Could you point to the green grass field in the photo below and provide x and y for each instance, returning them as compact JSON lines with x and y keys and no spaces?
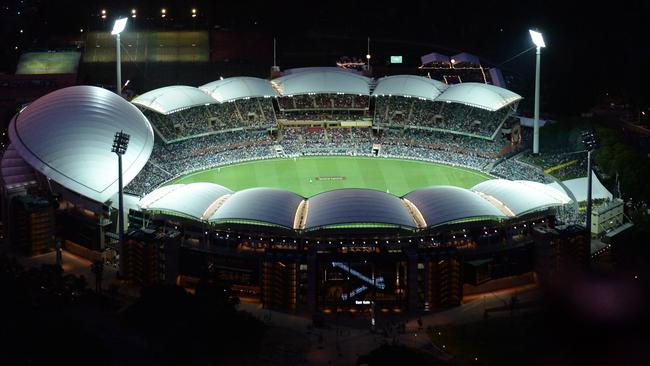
{"x":32,"y":63}
{"x":302,"y":175}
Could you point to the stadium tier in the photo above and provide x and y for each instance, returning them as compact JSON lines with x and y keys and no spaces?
{"x":326,"y":96}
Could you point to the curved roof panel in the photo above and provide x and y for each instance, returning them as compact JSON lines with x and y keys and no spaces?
{"x":188,"y":199}
{"x":578,"y":188}
{"x":442,"y":204}
{"x":353,"y":205}
{"x":67,"y":135}
{"x":479,"y":95}
{"x":268,"y":205}
{"x":173,"y":98}
{"x":409,"y":85}
{"x":522,"y":197}
{"x":238,"y":87}
{"x":322,"y":80}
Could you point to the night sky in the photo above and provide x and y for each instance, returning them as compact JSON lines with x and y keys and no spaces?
{"x":592,"y":49}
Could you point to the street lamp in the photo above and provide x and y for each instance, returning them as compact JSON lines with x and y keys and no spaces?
{"x":538,"y":40}
{"x":120,"y":144}
{"x":118,"y":27}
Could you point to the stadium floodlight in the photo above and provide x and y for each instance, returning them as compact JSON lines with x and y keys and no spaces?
{"x":119,"y":26}
{"x":589,"y":140}
{"x":538,"y":40}
{"x":120,"y":144}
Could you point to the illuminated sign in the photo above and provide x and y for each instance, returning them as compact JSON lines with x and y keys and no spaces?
{"x":377,"y":282}
{"x":362,"y":302}
{"x":395,"y":59}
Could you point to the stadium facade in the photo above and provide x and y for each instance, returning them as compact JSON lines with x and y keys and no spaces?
{"x":347,"y":248}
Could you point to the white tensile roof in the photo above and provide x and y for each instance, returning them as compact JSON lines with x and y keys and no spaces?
{"x":522,"y":197}
{"x":578,"y":187}
{"x":322,"y":80}
{"x":67,"y":135}
{"x":495,"y":199}
{"x":409,"y":85}
{"x":173,"y":98}
{"x":238,"y":88}
{"x":442,"y":204}
{"x":187,"y":199}
{"x":479,"y":95}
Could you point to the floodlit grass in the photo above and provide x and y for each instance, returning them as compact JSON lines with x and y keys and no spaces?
{"x":301,"y":175}
{"x":33,"y":63}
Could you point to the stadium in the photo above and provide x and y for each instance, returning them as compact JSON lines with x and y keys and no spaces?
{"x":319,"y":190}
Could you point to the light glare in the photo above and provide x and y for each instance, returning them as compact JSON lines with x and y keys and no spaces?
{"x":119,"y":26}
{"x":537,"y":38}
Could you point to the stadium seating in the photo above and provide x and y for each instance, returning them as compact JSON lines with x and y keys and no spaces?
{"x":170,"y":160}
{"x":253,"y":113}
{"x":453,"y":117}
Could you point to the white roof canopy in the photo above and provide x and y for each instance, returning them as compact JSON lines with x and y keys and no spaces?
{"x":322,"y":80}
{"x":522,"y":197}
{"x":479,"y":95}
{"x":578,"y":187}
{"x":173,"y":98}
{"x":67,"y":135}
{"x":188,"y":199}
{"x":409,"y":85}
{"x":238,"y":87}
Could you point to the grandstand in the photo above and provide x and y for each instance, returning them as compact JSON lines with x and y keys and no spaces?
{"x":326,"y":97}
{"x":321,"y":111}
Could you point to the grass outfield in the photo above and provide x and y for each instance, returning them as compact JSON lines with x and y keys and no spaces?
{"x":308,"y":176}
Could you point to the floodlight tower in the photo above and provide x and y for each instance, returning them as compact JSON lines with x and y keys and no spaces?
{"x":118,"y":27}
{"x":120,"y":144}
{"x":538,"y":40}
{"x":368,"y":55}
{"x":590,"y":142}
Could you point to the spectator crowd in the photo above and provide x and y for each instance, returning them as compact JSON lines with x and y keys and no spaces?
{"x":420,"y":113}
